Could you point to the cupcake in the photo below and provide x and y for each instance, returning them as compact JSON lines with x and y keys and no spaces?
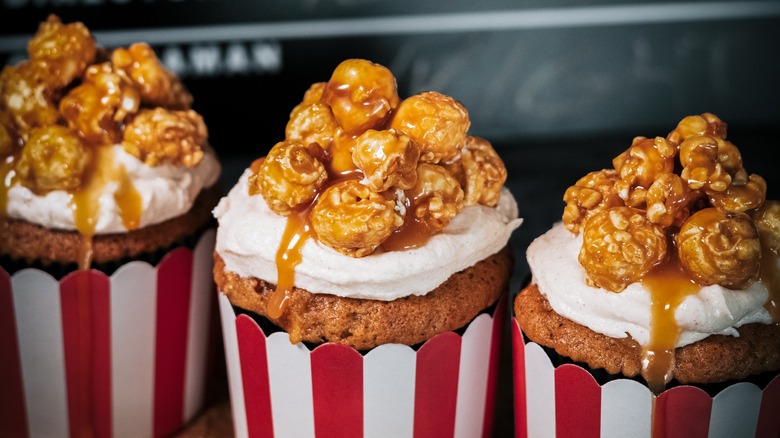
{"x":653,"y":304}
{"x":361,"y":265}
{"x":107,"y":183}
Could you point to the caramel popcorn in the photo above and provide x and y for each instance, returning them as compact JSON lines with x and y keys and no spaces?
{"x":690,"y":187}
{"x":161,"y":136}
{"x":353,"y":218}
{"x":387,"y":158}
{"x":157,"y":85}
{"x":62,"y":51}
{"x":436,"y":197}
{"x":437,"y":123}
{"x":640,"y":165}
{"x":480,"y":172}
{"x":26,"y":97}
{"x":361,"y":95}
{"x":619,"y":247}
{"x":7,"y":141}
{"x":98,"y":106}
{"x":53,"y":158}
{"x":592,"y":193}
{"x":716,"y":247}
{"x":312,"y":123}
{"x":352,"y":163}
{"x":290,"y":176}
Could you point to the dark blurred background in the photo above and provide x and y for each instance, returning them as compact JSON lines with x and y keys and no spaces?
{"x":559,"y":86}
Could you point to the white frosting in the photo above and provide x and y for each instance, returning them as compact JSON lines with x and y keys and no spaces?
{"x":560,"y":277}
{"x":249,"y":233}
{"x":166,"y":191}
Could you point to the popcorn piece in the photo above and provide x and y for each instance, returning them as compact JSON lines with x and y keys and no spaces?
{"x":741,"y":198}
{"x":312,"y":123}
{"x":160,"y":136}
{"x":767,"y":220}
{"x":26,"y":97}
{"x":716,"y":247}
{"x":98,"y":106}
{"x":691,"y":126}
{"x":63,"y":51}
{"x":619,"y":247}
{"x":437,"y":123}
{"x":480,"y":171}
{"x":54,"y":158}
{"x":290,"y":176}
{"x":592,"y":193}
{"x":639,"y":165}
{"x":387,"y":158}
{"x":667,"y":200}
{"x":436,"y":197}
{"x":701,"y":167}
{"x":361,"y":95}
{"x":158,"y":86}
{"x":353,"y":218}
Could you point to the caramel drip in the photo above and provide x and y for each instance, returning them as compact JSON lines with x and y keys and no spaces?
{"x":412,"y":234}
{"x":7,"y":179}
{"x":771,"y":278}
{"x":128,"y":200}
{"x":297,"y":231}
{"x":669,"y":285}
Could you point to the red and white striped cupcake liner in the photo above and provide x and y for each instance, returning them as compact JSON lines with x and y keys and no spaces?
{"x":568,"y":402}
{"x":97,"y":355}
{"x":444,"y":388}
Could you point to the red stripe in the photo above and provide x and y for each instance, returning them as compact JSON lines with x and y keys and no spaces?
{"x":436,"y":386}
{"x":684,"y":412}
{"x":174,"y":281}
{"x":769,"y":415}
{"x":254,"y":373}
{"x":518,"y":367}
{"x":13,"y":415}
{"x":337,"y":386}
{"x":577,"y":403}
{"x":86,"y":336}
{"x":495,"y":348}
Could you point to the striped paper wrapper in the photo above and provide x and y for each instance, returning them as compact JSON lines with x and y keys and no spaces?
{"x":123,"y":355}
{"x":445,"y":388}
{"x":566,"y":401}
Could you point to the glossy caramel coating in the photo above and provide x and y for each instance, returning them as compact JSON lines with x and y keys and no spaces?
{"x":436,"y":197}
{"x":62,"y":51}
{"x":722,"y":248}
{"x":740,"y":198}
{"x":289,"y":177}
{"x":312,"y":123}
{"x":160,"y":136}
{"x":437,"y":123}
{"x":705,"y":124}
{"x":639,"y":165}
{"x":158,"y":86}
{"x":619,"y":247}
{"x":592,"y":193}
{"x":353,"y":218}
{"x":361,"y":95}
{"x":480,"y":171}
{"x":54,"y":158}
{"x":387,"y":158}
{"x":668,"y":200}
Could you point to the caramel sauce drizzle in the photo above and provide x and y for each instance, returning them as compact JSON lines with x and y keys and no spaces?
{"x":669,"y":285}
{"x":296,"y":232}
{"x":771,"y":278}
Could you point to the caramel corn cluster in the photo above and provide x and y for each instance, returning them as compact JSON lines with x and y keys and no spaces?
{"x":72,"y":96}
{"x":369,"y":169}
{"x":686,"y":195}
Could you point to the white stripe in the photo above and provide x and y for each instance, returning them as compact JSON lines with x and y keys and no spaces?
{"x":235,"y":382}
{"x":474,"y":21}
{"x":735,"y":411}
{"x":473,"y":377}
{"x":289,"y":376}
{"x":539,"y":392}
{"x":133,"y":328}
{"x":38,"y":316}
{"x":626,"y":409}
{"x":198,"y":325}
{"x":388,"y":391}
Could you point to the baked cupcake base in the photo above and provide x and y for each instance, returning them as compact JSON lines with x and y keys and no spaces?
{"x":556,"y":395}
{"x":364,"y":324}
